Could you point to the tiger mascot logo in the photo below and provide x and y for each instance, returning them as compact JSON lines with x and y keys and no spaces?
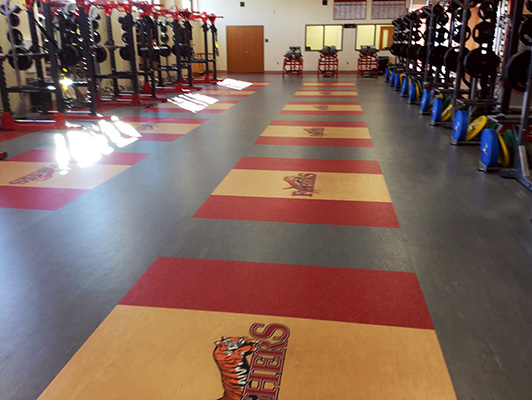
{"x":230,"y":356}
{"x":303,"y":184}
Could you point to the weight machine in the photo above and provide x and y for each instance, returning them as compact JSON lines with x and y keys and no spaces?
{"x":21,"y":59}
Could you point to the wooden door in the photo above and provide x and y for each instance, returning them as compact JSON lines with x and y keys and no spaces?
{"x":245,"y":48}
{"x":386,"y":37}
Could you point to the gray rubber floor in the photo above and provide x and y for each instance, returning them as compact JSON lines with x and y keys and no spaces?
{"x":467,"y":235}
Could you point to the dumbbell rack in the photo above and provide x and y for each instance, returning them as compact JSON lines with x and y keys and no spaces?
{"x":328,"y":65}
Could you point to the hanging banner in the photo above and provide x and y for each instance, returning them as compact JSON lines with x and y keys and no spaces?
{"x":387,"y":9}
{"x":349,"y":9}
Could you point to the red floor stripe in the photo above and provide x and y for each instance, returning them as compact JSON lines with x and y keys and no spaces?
{"x":308,"y":164}
{"x":334,"y":294}
{"x":327,"y":103}
{"x":33,"y":198}
{"x":351,"y":124}
{"x":114,"y":158}
{"x":289,"y":112}
{"x":333,"y":142}
{"x":163,"y":120}
{"x":330,"y":212}
{"x":182,"y":110}
{"x":159,"y":137}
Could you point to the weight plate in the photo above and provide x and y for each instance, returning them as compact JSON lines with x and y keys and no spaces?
{"x":443,"y":18}
{"x":425,"y":100}
{"x":422,"y":54}
{"x":476,"y":127}
{"x":163,"y":28}
{"x":437,"y":109}
{"x":96,"y":37}
{"x":525,"y":32}
{"x":14,"y":20}
{"x":487,"y":11}
{"x":24,"y":59}
{"x":101,"y":54}
{"x":95,"y":24}
{"x":447,"y":113}
{"x":436,"y":55}
{"x":125,"y":53}
{"x":124,"y":38}
{"x":517,"y":70}
{"x":405,"y":86}
{"x":17,"y":35}
{"x":69,"y":55}
{"x":511,"y":144}
{"x":437,"y":9}
{"x":504,"y":156}
{"x":164,"y":38}
{"x":458,"y":31}
{"x":489,"y":147}
{"x":481,"y":62}
{"x":460,"y":124}
{"x":165,"y":50}
{"x":484,"y":32}
{"x":460,"y":14}
{"x":441,"y":35}
{"x":412,"y":51}
{"x":397,"y":83}
{"x":412,"y":93}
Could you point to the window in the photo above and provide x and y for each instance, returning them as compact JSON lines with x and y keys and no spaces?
{"x":384,"y":36}
{"x":365,"y":36}
{"x":380,"y":36}
{"x":318,"y":36}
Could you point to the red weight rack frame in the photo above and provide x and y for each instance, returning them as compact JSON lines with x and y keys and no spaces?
{"x":328,"y":65}
{"x":293,"y":66}
{"x":368,"y":65}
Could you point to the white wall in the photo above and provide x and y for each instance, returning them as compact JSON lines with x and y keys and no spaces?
{"x":284,"y":25}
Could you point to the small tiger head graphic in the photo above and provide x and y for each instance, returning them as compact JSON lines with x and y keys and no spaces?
{"x":294,"y":182}
{"x":230,"y":356}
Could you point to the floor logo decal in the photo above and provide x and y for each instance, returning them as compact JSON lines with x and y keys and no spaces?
{"x":351,"y":192}
{"x":322,"y":108}
{"x":32,"y":180}
{"x":303,"y":183}
{"x":156,"y":129}
{"x":197,"y":329}
{"x":42,"y":174}
{"x":327,"y":93}
{"x":260,"y":377}
{"x":316,"y":133}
